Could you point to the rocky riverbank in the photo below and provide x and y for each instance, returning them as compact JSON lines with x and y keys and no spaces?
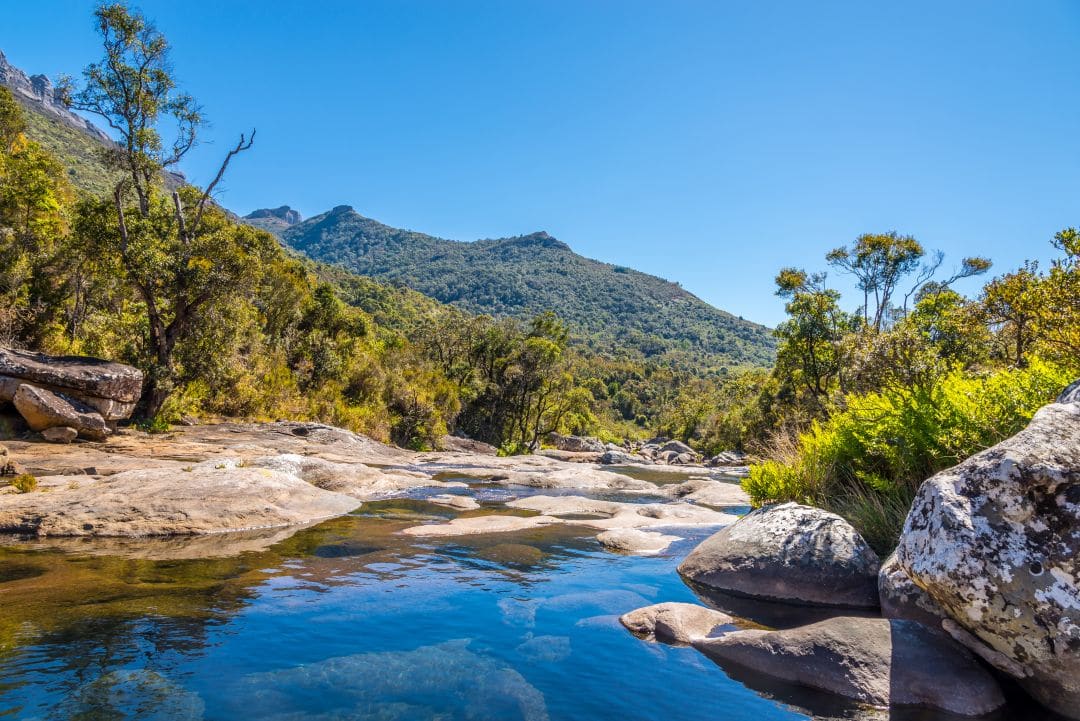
{"x":231,"y":477}
{"x":982,"y":591}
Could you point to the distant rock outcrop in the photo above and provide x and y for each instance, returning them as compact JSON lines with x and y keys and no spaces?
{"x":38,"y":90}
{"x":274,"y":220}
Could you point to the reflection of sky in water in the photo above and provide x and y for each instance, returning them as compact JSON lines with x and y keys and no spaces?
{"x":350,"y":620}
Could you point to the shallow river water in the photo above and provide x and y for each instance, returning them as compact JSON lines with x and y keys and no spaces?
{"x":350,"y":620}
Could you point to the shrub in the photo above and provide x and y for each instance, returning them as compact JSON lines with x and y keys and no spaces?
{"x":24,"y":483}
{"x":867,"y":461}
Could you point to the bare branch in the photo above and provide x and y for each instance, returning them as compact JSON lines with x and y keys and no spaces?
{"x":244,"y":144}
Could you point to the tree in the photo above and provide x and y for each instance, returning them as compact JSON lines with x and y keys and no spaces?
{"x":878,"y":261}
{"x":35,"y":200}
{"x":176,"y":258}
{"x":810,"y":352}
{"x":1013,"y":302}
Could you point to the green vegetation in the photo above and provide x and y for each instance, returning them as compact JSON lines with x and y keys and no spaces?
{"x":83,"y":159}
{"x":610,"y":310}
{"x":863,"y":406}
{"x":24,"y":483}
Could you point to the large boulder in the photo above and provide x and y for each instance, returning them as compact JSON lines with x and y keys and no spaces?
{"x":791,"y":553}
{"x":901,"y":598}
{"x":44,"y":409}
{"x":112,"y":389}
{"x":869,"y":660}
{"x":995,"y":542}
{"x":618,"y":458}
{"x":674,"y":622}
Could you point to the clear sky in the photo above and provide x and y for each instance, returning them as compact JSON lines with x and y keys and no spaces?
{"x":706,"y":142}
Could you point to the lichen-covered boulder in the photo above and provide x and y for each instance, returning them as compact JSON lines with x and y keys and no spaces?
{"x":788,"y":552}
{"x":111,"y":389}
{"x":673,"y":622}
{"x":901,"y":598}
{"x":995,"y":541}
{"x":870,"y":660}
{"x":44,"y":409}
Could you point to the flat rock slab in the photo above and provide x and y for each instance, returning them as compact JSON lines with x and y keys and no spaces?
{"x":869,"y":660}
{"x":632,"y":540}
{"x":790,"y":553}
{"x":708,"y":492}
{"x":679,"y":623}
{"x":157,"y":502}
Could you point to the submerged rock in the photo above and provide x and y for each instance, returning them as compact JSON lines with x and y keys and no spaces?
{"x":448,"y":680}
{"x":870,"y":660}
{"x":674,"y":622}
{"x":788,"y":552}
{"x":995,"y":542}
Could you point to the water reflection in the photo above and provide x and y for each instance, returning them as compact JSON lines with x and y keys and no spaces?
{"x":351,"y":619}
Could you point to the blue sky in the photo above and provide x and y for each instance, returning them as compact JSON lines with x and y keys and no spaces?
{"x":706,"y":142}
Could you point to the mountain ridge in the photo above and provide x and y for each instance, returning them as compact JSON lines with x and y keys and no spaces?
{"x":520,"y":276}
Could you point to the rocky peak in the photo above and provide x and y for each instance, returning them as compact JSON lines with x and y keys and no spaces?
{"x":38,"y":90}
{"x":283,"y":213}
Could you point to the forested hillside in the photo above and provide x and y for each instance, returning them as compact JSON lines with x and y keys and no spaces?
{"x":612,"y":309}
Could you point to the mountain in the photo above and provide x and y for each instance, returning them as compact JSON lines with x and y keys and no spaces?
{"x":274,"y":220}
{"x":73,"y":138}
{"x":611,"y":307}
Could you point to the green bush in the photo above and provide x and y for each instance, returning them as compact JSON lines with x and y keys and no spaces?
{"x":866,"y":462}
{"x":24,"y":483}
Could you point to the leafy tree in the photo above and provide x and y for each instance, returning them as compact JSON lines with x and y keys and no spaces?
{"x":1013,"y":302}
{"x":175,"y":253}
{"x":878,"y":261}
{"x":811,"y":351}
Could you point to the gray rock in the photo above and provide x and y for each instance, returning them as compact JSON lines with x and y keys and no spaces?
{"x":44,"y":409}
{"x":576,"y":444}
{"x":728,"y":458}
{"x":60,"y":434}
{"x":788,"y":552}
{"x":674,"y":622}
{"x":683,"y":459}
{"x":995,"y":542}
{"x":677,"y":447}
{"x":1070,"y":394}
{"x":870,"y":660}
{"x":617,"y":458}
{"x":901,"y":598}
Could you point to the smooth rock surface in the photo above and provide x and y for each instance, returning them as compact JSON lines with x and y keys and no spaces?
{"x":792,"y":553}
{"x":708,"y":492}
{"x":166,"y":501}
{"x":632,"y":540}
{"x":995,"y":542}
{"x":674,"y":622}
{"x":870,"y":660}
{"x":44,"y":409}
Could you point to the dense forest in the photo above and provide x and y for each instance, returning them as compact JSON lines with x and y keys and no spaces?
{"x":104,"y":251}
